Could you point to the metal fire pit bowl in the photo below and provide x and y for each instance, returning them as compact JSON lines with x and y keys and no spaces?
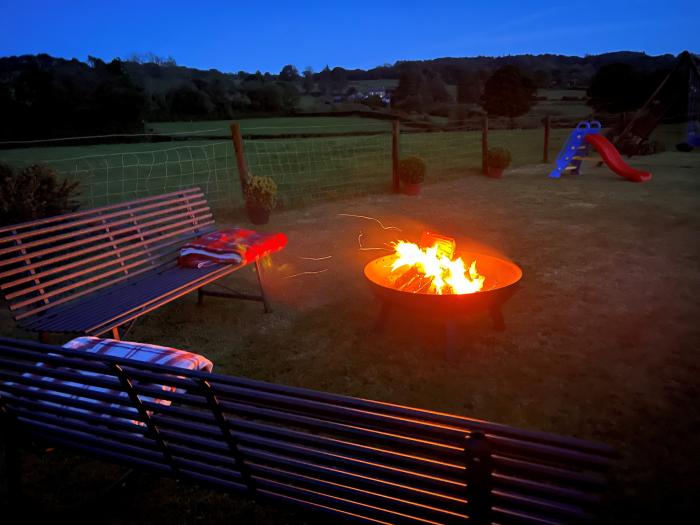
{"x":501,"y":276}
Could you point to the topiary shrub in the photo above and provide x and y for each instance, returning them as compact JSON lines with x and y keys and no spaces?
{"x":261,"y":191}
{"x":412,"y":170}
{"x":499,"y":157}
{"x":33,"y":193}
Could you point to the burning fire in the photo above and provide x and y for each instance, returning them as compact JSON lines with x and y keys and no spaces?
{"x":434,"y":269}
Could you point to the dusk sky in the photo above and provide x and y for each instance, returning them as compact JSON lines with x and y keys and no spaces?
{"x":233,"y":35}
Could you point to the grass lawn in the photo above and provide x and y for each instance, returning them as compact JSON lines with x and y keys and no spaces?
{"x":306,"y":170}
{"x":602,"y":340}
{"x":276,"y":125}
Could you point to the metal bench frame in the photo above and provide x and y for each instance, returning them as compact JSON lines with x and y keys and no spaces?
{"x":94,"y":271}
{"x":357,"y":459}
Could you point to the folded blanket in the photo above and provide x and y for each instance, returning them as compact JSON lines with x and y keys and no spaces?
{"x":232,"y":246}
{"x":154,"y":354}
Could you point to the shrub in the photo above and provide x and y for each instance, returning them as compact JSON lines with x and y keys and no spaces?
{"x":499,"y":157}
{"x":261,"y":191}
{"x":508,"y":93}
{"x":33,"y":193}
{"x":412,"y":170}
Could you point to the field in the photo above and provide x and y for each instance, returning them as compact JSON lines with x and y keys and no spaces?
{"x":602,"y":340}
{"x":305,"y":169}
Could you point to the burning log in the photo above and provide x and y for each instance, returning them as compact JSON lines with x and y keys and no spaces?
{"x":413,"y":280}
{"x":406,"y":277}
{"x":433,"y":267}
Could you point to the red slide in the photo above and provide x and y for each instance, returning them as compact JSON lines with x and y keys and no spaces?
{"x":612,"y":158}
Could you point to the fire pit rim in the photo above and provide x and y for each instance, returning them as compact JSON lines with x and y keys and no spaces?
{"x":466,"y":256}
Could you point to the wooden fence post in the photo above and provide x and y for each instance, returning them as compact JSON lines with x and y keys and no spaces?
{"x":545,"y":153}
{"x":485,"y":146}
{"x":240,"y":155}
{"x":395,"y":155}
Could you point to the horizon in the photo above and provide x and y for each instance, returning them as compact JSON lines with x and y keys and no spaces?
{"x":305,"y":37}
{"x":393,"y":64}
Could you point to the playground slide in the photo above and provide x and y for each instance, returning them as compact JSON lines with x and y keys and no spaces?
{"x":612,"y":158}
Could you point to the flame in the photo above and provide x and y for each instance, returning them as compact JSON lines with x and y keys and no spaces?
{"x":444,"y":275}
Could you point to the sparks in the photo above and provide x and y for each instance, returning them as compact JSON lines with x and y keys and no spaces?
{"x":317,"y":258}
{"x":305,"y":273}
{"x":371,"y":219}
{"x":359,"y":241}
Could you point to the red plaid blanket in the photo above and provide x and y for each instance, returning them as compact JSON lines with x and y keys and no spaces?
{"x":162,"y":355}
{"x":232,"y":246}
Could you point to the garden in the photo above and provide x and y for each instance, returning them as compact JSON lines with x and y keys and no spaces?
{"x":600,"y":341}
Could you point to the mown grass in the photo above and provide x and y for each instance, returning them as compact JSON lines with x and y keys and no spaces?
{"x":306,"y":169}
{"x":276,"y":125}
{"x":602,"y":339}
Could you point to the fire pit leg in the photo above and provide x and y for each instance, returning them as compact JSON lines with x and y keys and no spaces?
{"x":451,"y":340}
{"x":497,"y":318}
{"x":380,"y":323}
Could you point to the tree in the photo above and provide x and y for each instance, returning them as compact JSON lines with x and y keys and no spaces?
{"x":417,"y":90}
{"x":434,"y":89}
{"x":324,"y":80}
{"x":188,"y":103}
{"x":508,"y":93}
{"x":616,"y":88}
{"x":289,"y":97}
{"x":289,"y":73}
{"x":339,"y":80}
{"x":469,"y":88}
{"x":308,"y":81}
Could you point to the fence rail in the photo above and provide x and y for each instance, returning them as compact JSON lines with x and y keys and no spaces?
{"x":307,"y":167}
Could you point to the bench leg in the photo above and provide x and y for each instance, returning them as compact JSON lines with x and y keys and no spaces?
{"x":263,"y":296}
{"x":115,"y":333}
{"x":44,"y":338}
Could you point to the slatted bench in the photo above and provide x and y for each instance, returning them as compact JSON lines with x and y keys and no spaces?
{"x":356,"y":459}
{"x":94,"y":271}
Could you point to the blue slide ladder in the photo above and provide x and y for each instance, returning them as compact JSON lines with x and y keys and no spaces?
{"x":575,"y":149}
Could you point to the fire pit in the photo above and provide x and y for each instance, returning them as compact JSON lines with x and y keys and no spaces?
{"x":488,"y":283}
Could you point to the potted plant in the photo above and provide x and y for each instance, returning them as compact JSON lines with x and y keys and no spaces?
{"x":498,"y":160}
{"x":260,"y":198}
{"x":412,"y":174}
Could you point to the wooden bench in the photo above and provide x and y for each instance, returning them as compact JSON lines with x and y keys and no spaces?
{"x":358,"y":459}
{"x":93,"y":271}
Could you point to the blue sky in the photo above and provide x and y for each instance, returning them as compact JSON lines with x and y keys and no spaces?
{"x":235,"y":35}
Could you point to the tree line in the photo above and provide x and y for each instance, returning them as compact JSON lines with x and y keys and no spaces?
{"x":43,"y":97}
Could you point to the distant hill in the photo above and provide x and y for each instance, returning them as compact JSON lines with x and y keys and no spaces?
{"x":43,"y":96}
{"x":565,"y":71}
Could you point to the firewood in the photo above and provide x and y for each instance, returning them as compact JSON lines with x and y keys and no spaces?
{"x":405,"y":277}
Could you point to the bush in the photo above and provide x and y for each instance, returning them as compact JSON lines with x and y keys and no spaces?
{"x":34,"y":193}
{"x":499,"y":157}
{"x":508,"y":93}
{"x":412,"y":170}
{"x":261,"y":191}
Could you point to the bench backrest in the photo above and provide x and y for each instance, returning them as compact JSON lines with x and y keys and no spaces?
{"x":50,"y":261}
{"x":362,"y":459}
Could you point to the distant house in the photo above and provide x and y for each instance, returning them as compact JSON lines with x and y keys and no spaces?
{"x":382,"y":93}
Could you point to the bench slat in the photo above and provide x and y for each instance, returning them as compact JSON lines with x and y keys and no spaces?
{"x":129,"y":223}
{"x":35,"y":225}
{"x":156,"y":250}
{"x":401,"y":508}
{"x":390,"y":464}
{"x":180,"y":228}
{"x":97,"y":314}
{"x":87,"y":274}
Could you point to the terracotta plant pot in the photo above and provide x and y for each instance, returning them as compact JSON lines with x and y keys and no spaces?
{"x":257,"y":214}
{"x":410,"y":188}
{"x":496,"y":173}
